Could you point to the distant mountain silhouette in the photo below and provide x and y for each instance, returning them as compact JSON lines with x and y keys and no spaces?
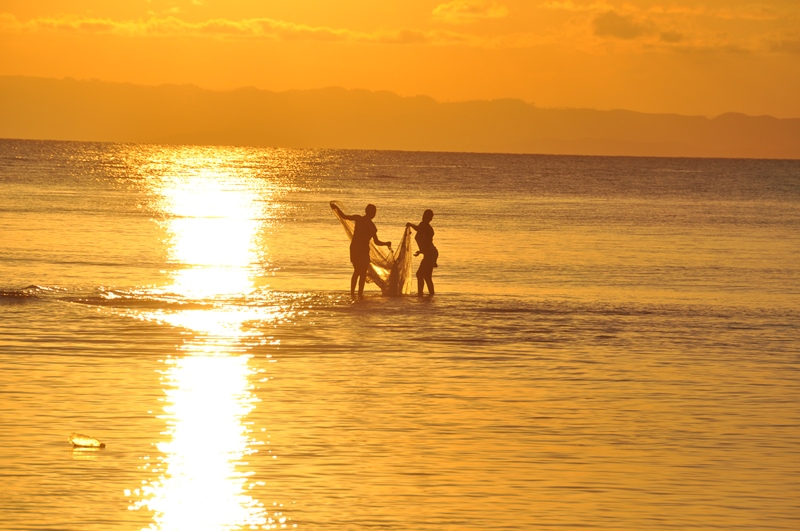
{"x":67,"y":109}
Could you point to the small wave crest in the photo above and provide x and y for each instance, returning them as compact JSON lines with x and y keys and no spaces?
{"x":138,"y":300}
{"x":154,"y":299}
{"x":11,"y":296}
{"x":29,"y":293}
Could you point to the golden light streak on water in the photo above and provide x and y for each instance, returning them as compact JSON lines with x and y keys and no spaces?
{"x":214,"y":221}
{"x":201,"y":484}
{"x":213,"y":215}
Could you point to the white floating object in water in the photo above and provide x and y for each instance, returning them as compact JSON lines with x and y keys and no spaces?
{"x":85,"y":441}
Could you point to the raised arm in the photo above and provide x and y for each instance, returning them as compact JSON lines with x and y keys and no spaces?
{"x":415,"y":227}
{"x":342,"y":214}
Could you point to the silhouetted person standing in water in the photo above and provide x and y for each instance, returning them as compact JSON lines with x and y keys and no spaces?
{"x":364,"y":231}
{"x":429,"y":252}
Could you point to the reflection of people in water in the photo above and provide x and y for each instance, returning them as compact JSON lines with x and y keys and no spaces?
{"x":365,"y":231}
{"x":429,"y":252}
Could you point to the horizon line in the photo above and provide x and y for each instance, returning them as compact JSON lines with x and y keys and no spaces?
{"x":431,"y":151}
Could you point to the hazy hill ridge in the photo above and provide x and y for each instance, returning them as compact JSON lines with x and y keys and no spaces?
{"x":67,"y":109}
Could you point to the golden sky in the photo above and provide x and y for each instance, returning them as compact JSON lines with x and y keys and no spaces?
{"x":675,"y":56}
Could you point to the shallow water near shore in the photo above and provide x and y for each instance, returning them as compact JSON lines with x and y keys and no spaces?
{"x":613,"y":344}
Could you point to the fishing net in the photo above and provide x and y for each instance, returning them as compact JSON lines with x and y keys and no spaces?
{"x":389,"y":270}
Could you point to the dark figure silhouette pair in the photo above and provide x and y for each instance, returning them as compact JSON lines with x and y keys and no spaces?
{"x":365,"y":230}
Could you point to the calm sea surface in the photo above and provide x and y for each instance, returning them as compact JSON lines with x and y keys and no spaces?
{"x":614,"y":342}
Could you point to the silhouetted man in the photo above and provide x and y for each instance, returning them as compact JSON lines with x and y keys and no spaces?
{"x":365,"y":230}
{"x":429,"y":252}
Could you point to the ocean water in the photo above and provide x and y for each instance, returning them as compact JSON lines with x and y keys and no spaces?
{"x":614,"y":342}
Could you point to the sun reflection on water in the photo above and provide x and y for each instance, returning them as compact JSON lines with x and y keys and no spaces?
{"x":213,"y":212}
{"x":201,"y":485}
{"x":214,"y":221}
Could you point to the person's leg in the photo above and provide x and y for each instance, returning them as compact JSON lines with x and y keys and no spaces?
{"x":361,"y":281}
{"x":434,"y":256}
{"x":353,"y":280}
{"x":420,"y":281}
{"x":429,"y":281}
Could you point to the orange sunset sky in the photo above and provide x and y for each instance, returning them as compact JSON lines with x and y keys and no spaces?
{"x":674,"y":56}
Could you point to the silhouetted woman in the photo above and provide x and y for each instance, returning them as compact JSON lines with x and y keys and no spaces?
{"x":429,"y":252}
{"x":365,"y":230}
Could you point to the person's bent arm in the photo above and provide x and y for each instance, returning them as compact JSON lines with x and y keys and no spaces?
{"x":415,"y":227}
{"x":378,"y":242}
